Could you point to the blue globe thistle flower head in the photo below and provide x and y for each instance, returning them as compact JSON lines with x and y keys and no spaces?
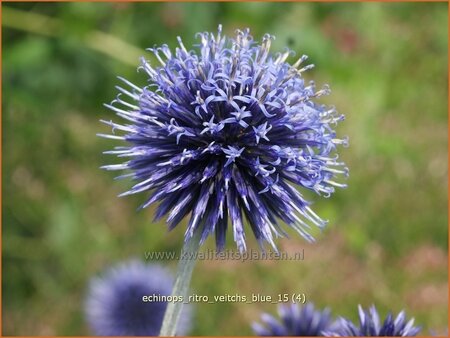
{"x":228,"y":131}
{"x":295,"y":320}
{"x":369,"y":325}
{"x":114,"y":304}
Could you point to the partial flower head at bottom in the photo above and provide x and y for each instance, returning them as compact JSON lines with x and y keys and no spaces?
{"x":295,"y":320}
{"x":114,"y":305}
{"x":370,"y":325}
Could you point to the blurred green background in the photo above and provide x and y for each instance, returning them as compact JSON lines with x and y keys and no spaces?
{"x":62,"y":222}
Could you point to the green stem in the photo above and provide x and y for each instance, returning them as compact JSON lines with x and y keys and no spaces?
{"x":181,"y":287}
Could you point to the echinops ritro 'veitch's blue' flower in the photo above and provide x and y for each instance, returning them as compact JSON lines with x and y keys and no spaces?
{"x":228,"y":131}
{"x":114,"y":305}
{"x":295,"y":320}
{"x":369,"y":325}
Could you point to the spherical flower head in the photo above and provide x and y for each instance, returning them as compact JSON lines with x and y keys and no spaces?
{"x":228,"y":131}
{"x":303,"y":321}
{"x":114,"y":305}
{"x":369,"y":325}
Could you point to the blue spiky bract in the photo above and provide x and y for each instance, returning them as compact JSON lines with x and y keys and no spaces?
{"x":226,"y":133}
{"x":295,"y":320}
{"x":114,"y":304}
{"x":370,"y":325}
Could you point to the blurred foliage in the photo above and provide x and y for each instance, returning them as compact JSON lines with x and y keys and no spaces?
{"x":62,"y":222}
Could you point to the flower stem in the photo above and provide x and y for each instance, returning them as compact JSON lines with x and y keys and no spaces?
{"x":181,"y":287}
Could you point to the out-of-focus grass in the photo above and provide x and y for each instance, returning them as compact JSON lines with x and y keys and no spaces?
{"x":62,"y":222}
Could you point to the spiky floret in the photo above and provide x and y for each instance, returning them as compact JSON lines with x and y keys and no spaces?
{"x":295,"y":320}
{"x":369,"y":325}
{"x":228,"y":131}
